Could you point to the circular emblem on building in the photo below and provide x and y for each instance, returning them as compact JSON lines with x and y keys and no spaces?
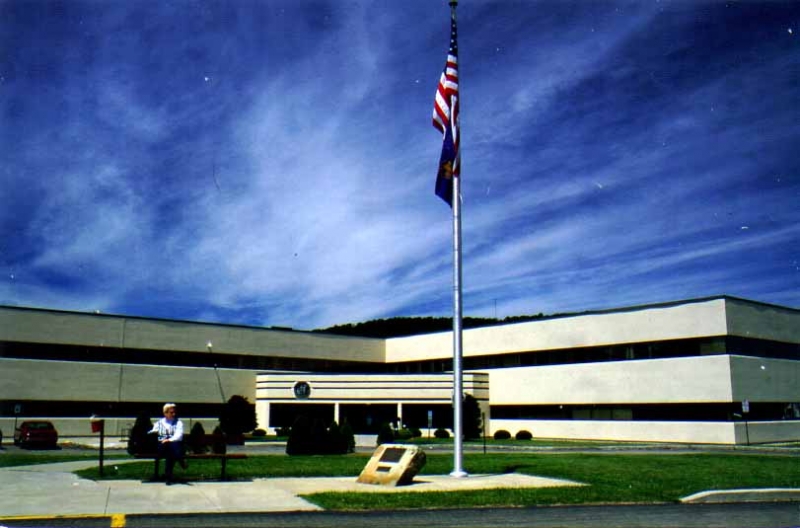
{"x":302,"y":390}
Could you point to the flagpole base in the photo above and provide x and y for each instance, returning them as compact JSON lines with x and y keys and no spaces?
{"x":459,"y":474}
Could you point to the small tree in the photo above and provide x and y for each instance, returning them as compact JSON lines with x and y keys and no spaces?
{"x":441,"y":433}
{"x":299,"y":441}
{"x":523,"y":435}
{"x":238,"y":416}
{"x":139,"y":440}
{"x":502,"y":434}
{"x":471,"y":415}
{"x":337,"y":443}
{"x":385,"y":434}
{"x":348,"y":436}
{"x":219,"y":446}
{"x":195,"y":442}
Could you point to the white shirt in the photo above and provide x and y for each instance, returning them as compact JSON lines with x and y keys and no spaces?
{"x":166,"y":429}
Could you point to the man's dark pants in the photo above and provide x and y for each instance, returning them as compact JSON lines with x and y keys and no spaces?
{"x":171,"y":452}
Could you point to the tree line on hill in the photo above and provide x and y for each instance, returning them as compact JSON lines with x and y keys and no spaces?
{"x":406,"y":326}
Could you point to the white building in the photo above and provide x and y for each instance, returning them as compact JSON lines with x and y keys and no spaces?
{"x":715,"y":370}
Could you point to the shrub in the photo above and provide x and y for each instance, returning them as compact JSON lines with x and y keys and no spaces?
{"x":385,"y":434}
{"x":471,"y":417}
{"x":194,"y":442}
{"x":259,"y":432}
{"x":441,"y":433}
{"x":502,"y":434}
{"x":301,"y":441}
{"x":238,"y":416}
{"x":337,"y":443}
{"x":404,"y":434}
{"x":311,"y":437}
{"x":283,"y":431}
{"x":219,"y":446}
{"x":349,"y":437}
{"x":139,"y":440}
{"x":523,"y":435}
{"x":415,"y":432}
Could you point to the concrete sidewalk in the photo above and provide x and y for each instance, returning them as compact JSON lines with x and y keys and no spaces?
{"x":53,"y":490}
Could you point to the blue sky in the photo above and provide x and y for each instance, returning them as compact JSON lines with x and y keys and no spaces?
{"x":273,"y":162}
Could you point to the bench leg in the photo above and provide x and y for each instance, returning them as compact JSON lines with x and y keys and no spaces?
{"x":156,"y":461}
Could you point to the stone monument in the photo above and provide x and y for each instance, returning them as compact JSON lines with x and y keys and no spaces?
{"x":393,"y":465}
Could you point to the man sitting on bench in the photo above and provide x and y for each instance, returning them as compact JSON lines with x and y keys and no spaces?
{"x":170,"y":440}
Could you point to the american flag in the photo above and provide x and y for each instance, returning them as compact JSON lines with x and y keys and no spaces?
{"x":445,"y":119}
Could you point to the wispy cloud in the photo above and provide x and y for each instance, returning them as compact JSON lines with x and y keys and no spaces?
{"x":274,"y":164}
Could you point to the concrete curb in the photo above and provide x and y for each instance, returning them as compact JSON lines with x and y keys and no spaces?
{"x":744,"y":495}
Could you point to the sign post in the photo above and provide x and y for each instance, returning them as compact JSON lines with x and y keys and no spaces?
{"x":17,"y":412}
{"x":99,"y":426}
{"x":745,"y":412}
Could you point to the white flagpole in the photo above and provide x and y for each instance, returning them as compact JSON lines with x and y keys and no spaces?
{"x":458,"y":391}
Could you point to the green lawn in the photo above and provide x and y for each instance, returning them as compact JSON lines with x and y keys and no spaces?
{"x":611,"y":478}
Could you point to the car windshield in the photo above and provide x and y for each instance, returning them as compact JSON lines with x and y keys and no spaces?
{"x":40,"y":425}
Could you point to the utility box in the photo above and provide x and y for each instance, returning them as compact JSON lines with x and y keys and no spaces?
{"x":393,"y":465}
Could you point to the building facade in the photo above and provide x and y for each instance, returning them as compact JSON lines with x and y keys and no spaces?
{"x":717,"y":370}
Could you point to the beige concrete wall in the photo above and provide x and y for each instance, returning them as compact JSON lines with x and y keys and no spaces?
{"x":22,"y":379}
{"x":54,"y":381}
{"x":347,"y":388}
{"x":134,"y":333}
{"x":768,"y":380}
{"x":697,"y":319}
{"x":728,"y":433}
{"x":673,"y":380}
{"x":762,"y":321}
{"x":683,"y":432}
{"x":767,"y":432}
{"x":31,"y":326}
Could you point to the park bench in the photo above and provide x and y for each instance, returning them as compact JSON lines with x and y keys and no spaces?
{"x":206,"y":446}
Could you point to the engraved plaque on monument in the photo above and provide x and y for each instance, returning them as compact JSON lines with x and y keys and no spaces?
{"x":393,"y":465}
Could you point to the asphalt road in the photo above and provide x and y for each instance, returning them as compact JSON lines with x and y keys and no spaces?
{"x":759,"y":515}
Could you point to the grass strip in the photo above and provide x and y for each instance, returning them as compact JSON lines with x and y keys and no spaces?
{"x":611,"y":478}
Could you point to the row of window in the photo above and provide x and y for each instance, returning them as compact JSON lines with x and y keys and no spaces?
{"x":368,"y":418}
{"x":677,"y":412}
{"x":85,"y":409}
{"x":623,"y":352}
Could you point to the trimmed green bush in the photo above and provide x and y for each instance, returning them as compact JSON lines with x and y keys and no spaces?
{"x":238,"y":416}
{"x":471,"y":415}
{"x":194,"y":442}
{"x":502,"y":434}
{"x":385,"y":434}
{"x":259,"y":432}
{"x":139,"y":440}
{"x":309,"y":437}
{"x":219,"y":447}
{"x":441,"y":433}
{"x":349,"y":437}
{"x":523,"y":435}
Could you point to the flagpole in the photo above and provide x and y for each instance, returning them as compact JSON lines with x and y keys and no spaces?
{"x":458,"y":390}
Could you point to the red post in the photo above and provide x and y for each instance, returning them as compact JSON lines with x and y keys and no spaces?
{"x":99,"y":426}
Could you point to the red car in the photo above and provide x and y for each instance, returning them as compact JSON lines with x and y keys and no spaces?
{"x":38,"y":433}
